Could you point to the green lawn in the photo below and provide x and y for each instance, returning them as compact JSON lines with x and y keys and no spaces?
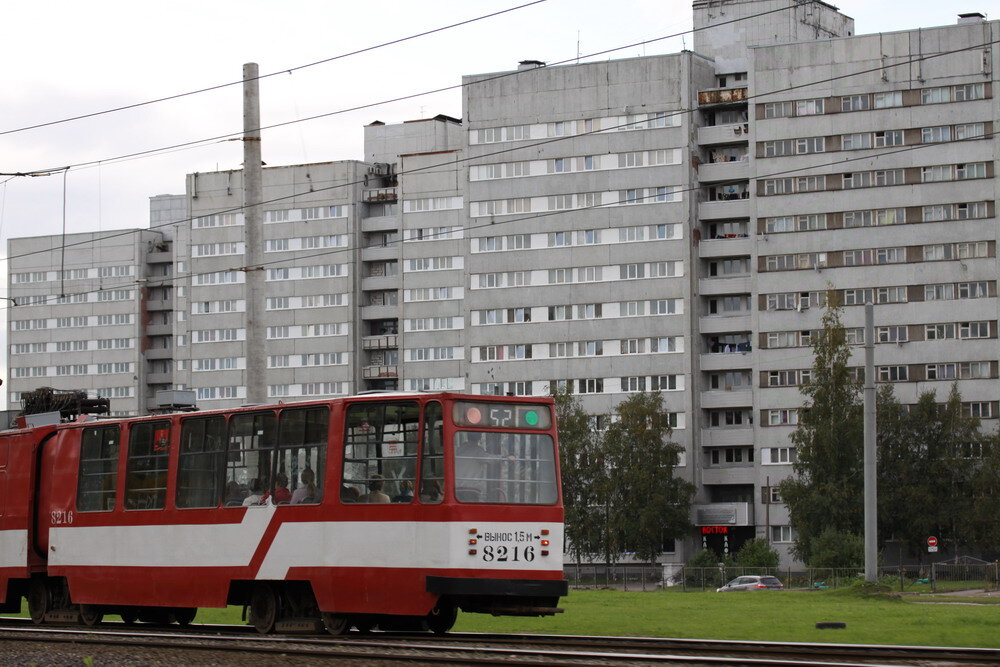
{"x":760,"y":615}
{"x":763,"y":616}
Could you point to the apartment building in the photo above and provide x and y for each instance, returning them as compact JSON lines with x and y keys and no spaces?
{"x":81,"y":317}
{"x":669,"y":223}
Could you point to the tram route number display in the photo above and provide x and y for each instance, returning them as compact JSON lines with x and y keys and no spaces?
{"x":509,"y":546}
{"x":502,"y":415}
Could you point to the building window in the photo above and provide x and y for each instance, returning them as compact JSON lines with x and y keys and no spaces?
{"x":782,"y":534}
{"x":885,"y":100}
{"x":779,"y":455}
{"x":854,"y":103}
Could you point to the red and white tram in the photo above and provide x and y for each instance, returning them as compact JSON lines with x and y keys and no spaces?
{"x":393,"y":510}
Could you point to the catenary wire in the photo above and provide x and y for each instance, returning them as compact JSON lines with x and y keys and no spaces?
{"x":234,"y":136}
{"x":265,"y":76}
{"x":167,"y":281}
{"x":543,"y":142}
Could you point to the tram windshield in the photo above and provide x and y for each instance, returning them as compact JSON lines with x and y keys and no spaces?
{"x":514,"y":468}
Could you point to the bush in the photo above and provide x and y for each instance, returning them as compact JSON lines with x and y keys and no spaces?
{"x":757,"y":553}
{"x":835,"y":549}
{"x":707,"y":558}
{"x":704,"y":567}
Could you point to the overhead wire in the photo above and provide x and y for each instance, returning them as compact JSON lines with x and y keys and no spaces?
{"x":170,"y":280}
{"x":489,"y":78}
{"x":543,"y":142}
{"x":288,"y":70}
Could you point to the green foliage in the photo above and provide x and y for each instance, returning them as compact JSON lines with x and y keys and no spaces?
{"x":619,"y":488}
{"x":757,"y":553}
{"x":829,"y":487}
{"x":937,"y":473}
{"x":982,"y":522}
{"x":645,"y":502}
{"x":704,"y":568}
{"x":583,"y":473}
{"x":708,"y":558}
{"x":927,"y":471}
{"x":833,"y":548}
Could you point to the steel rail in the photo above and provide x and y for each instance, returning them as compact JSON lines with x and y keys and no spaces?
{"x":586,"y":650}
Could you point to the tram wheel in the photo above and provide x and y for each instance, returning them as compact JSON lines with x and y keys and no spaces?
{"x":441,"y":619}
{"x":91,"y":615}
{"x":183,"y":615}
{"x":39,"y":600}
{"x":336,"y":624}
{"x":264,"y":608}
{"x":129,"y":617}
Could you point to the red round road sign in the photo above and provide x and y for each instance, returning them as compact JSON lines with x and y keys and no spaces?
{"x":932,"y":541}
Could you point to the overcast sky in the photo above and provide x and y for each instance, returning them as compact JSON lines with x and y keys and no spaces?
{"x":65,"y":58}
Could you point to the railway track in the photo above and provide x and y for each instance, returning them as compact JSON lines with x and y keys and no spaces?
{"x":233,"y":645}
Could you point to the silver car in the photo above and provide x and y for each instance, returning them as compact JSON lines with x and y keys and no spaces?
{"x":752,"y":583}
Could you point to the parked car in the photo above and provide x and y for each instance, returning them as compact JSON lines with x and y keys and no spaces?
{"x":752,"y":583}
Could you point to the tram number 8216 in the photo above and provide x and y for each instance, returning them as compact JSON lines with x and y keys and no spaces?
{"x":502,"y":553}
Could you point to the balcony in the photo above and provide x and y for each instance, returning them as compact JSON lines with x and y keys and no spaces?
{"x":738,"y":397}
{"x":380,"y":223}
{"x":380,"y":253}
{"x":378,"y":195}
{"x":724,"y":209}
{"x":389,"y":342}
{"x":379,"y":312}
{"x":158,"y":378}
{"x":373,"y":372}
{"x":722,"y":514}
{"x":734,"y":473}
{"x":721,"y":96}
{"x":719,"y":324}
{"x":159,"y":257}
{"x":725,"y":362}
{"x":377,"y":283}
{"x":729,"y":246}
{"x":159,"y":304}
{"x":728,"y":437}
{"x":711,"y":135}
{"x":714,"y":286}
{"x":713,"y":172}
{"x":159,"y":353}
{"x":159,"y":329}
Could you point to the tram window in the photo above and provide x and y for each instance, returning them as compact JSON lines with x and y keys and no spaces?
{"x":98,"y":480}
{"x":302,"y":436}
{"x":200,"y":464}
{"x":248,"y":456}
{"x":380,"y":452}
{"x":146,"y":466}
{"x":513,"y":468}
{"x":432,"y":456}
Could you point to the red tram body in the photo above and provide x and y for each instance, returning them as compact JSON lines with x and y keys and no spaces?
{"x":393,"y":510}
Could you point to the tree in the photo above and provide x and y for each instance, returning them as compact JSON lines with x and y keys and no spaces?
{"x":929,"y":457}
{"x":983,"y":521}
{"x":757,"y":553}
{"x":582,"y":469}
{"x":829,"y":440}
{"x":644,"y":502}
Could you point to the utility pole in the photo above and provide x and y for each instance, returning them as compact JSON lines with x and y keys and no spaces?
{"x":253,"y":236}
{"x":871,"y":508}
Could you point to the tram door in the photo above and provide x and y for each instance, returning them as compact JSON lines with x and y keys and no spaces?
{"x":57,"y":456}
{"x":46,"y":458}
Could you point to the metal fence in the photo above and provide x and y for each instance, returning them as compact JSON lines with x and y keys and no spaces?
{"x":934,"y":577}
